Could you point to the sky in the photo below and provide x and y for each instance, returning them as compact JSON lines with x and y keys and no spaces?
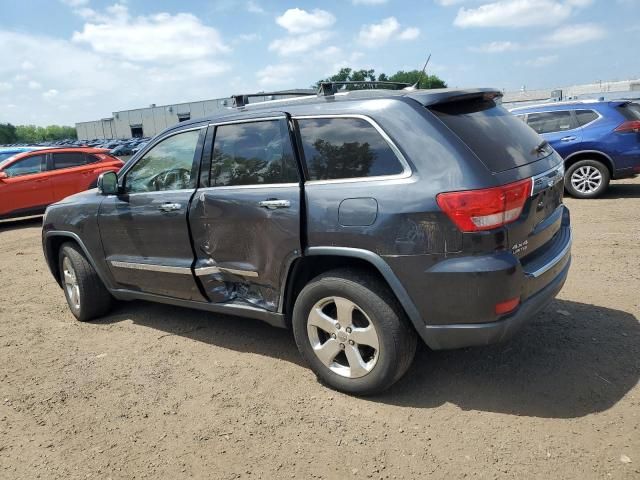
{"x":65,"y":61}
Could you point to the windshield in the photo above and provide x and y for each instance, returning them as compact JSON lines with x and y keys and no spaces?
{"x":631,"y":111}
{"x":5,"y":155}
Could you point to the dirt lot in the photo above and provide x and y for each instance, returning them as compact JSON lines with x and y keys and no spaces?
{"x":160,"y":392}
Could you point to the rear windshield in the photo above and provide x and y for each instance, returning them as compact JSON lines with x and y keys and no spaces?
{"x":499,"y":139}
{"x":631,"y":111}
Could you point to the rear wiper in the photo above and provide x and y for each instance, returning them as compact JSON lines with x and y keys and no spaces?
{"x":542,"y":147}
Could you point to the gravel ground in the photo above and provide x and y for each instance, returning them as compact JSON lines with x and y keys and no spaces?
{"x":159,"y":392}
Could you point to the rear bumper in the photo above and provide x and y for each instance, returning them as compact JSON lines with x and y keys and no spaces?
{"x":457,"y":297}
{"x":445,"y":337}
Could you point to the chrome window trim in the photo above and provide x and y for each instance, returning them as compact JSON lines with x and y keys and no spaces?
{"x":406,"y":173}
{"x":213,"y":270}
{"x":248,"y":120}
{"x":155,"y":192}
{"x":151,"y":267}
{"x":259,"y":185}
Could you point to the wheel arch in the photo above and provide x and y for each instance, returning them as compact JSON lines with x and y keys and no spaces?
{"x":53,"y":242}
{"x":318,"y":260}
{"x":590,"y":155}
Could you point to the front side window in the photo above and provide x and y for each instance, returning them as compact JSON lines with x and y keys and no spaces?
{"x":68,"y":160}
{"x":343,"y":148}
{"x":167,"y":166}
{"x":255,"y":153}
{"x":548,"y":122}
{"x":26,"y":166}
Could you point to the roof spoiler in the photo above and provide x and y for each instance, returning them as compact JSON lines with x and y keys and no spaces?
{"x":430,"y":98}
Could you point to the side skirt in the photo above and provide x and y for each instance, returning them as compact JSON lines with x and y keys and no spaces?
{"x":272,"y":318}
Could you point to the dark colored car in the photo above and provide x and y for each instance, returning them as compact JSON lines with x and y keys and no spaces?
{"x":598,"y":140}
{"x":362,"y":220}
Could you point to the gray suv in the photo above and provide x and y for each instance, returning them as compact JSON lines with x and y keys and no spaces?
{"x":362,"y":220}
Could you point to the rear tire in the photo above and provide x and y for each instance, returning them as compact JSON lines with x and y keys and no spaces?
{"x":351,"y":331}
{"x":86,"y":295}
{"x":587,"y":179}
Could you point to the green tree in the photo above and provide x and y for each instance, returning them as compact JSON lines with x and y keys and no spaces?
{"x":411,"y":77}
{"x":34,"y":134}
{"x":7,"y":133}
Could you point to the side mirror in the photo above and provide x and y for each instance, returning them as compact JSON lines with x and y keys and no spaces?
{"x":108,"y":183}
{"x":3,"y":175}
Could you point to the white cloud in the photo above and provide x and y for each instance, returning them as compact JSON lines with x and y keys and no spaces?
{"x":50,"y":93}
{"x":377,"y":34}
{"x":5,"y":86}
{"x":518,"y":13}
{"x":538,"y":62}
{"x":75,"y":3}
{"x":296,"y":20}
{"x":157,"y":37}
{"x":574,"y":35}
{"x":368,"y":2}
{"x":277,"y":75}
{"x":94,"y":85}
{"x":254,"y":7}
{"x":27,"y":65}
{"x":296,"y":44}
{"x":496,"y":47}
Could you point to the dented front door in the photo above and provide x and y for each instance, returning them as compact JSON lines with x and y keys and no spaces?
{"x":246,"y":223}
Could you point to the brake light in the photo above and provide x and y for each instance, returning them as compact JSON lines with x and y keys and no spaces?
{"x":477,"y":210}
{"x":629,"y":126}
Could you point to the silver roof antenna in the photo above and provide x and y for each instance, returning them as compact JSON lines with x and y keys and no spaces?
{"x":424,"y":69}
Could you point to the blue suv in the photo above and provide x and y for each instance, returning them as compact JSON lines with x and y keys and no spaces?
{"x":598,"y":140}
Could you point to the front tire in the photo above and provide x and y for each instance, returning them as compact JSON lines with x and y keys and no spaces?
{"x":351,"y":331}
{"x":587,"y":179}
{"x":86,"y":295}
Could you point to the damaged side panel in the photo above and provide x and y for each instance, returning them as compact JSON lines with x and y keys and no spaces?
{"x":242,"y":247}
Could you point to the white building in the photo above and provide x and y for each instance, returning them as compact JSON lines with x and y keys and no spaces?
{"x":149,"y":121}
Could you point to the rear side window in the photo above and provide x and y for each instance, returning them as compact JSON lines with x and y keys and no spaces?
{"x":26,"y":166}
{"x":254,"y":153}
{"x":585,"y":116}
{"x":548,"y":122}
{"x":343,"y":148}
{"x":69,"y":159}
{"x":497,"y":137}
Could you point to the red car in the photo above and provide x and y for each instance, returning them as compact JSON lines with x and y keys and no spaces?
{"x":32,"y":180}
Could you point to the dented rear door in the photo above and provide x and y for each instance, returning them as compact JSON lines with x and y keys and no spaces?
{"x":245,"y":222}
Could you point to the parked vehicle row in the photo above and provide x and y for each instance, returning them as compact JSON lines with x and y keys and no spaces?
{"x":598,"y":140}
{"x":362,"y":220}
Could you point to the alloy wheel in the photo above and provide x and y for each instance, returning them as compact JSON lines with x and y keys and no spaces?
{"x":586,"y":179}
{"x":71,"y":283}
{"x":343,"y":337}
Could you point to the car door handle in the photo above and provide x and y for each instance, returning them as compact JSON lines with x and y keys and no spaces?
{"x":170,"y":207}
{"x":273,"y":204}
{"x":568,"y":139}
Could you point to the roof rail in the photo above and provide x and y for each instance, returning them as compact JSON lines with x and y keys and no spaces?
{"x":242,"y":100}
{"x":331,"y":88}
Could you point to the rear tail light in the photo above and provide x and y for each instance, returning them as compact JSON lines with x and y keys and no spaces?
{"x":477,"y":210}
{"x":629,"y":126}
